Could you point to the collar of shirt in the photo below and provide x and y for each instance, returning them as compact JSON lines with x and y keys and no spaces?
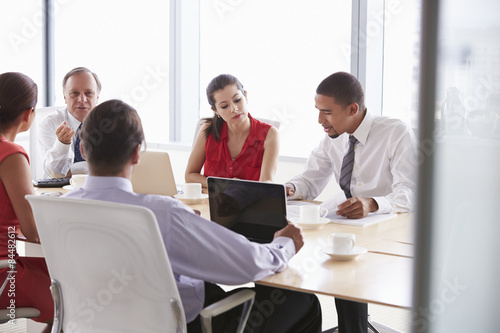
{"x":72,"y":121}
{"x":361,"y":133}
{"x":103,"y":183}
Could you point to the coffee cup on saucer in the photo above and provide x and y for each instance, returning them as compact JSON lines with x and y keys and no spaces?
{"x":77,"y":181}
{"x":191,"y":190}
{"x":312,"y":214}
{"x":191,"y":194}
{"x":343,"y":242}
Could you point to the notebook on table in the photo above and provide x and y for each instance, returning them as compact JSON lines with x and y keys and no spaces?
{"x":253,"y":209}
{"x":153,"y":174}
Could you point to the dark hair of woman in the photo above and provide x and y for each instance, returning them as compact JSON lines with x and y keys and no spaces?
{"x":219,"y":83}
{"x":110,"y":134}
{"x":18,"y":93}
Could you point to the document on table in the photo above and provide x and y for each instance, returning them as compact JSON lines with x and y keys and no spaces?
{"x":293,"y":210}
{"x":370,"y":219}
{"x":396,"y":248}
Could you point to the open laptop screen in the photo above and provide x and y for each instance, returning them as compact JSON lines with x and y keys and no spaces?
{"x":254,"y":209}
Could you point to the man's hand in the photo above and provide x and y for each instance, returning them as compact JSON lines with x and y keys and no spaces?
{"x":64,"y":133}
{"x":290,"y":189}
{"x":356,"y":208}
{"x":293,"y":232}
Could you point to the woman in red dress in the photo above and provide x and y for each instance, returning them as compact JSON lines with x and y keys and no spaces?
{"x":232,"y":144}
{"x":29,"y":286}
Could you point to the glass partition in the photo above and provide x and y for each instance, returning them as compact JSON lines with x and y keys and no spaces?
{"x":457,"y":283}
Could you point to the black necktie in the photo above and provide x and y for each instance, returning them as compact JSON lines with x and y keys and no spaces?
{"x":78,"y":155}
{"x":346,"y":171}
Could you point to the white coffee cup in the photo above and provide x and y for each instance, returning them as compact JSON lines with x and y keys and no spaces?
{"x":312,"y":213}
{"x":77,"y":181}
{"x":191,"y":190}
{"x":343,"y":242}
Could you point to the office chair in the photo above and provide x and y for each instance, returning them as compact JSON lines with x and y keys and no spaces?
{"x":110,"y":270}
{"x":373,"y":327}
{"x":23,"y":312}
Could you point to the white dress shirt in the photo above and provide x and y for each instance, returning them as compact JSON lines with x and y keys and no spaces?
{"x":57,"y":157}
{"x":199,"y":250}
{"x":385,"y":163}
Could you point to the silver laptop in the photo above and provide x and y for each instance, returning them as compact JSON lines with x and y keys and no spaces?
{"x":153,"y":174}
{"x":253,"y":209}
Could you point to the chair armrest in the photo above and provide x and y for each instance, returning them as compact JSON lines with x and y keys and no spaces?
{"x":4,"y":263}
{"x":21,"y":238}
{"x":228,"y":303}
{"x":23,"y":312}
{"x":243,"y":297}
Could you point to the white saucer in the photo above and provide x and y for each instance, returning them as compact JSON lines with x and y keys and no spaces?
{"x":191,"y":201}
{"x":296,"y":220}
{"x":68,"y":187}
{"x":355,"y":252}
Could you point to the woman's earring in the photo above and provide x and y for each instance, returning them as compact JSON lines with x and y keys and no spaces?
{"x":218,"y":115}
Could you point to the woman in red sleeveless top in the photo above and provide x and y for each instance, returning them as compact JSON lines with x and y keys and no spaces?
{"x":29,"y":286}
{"x":232,"y":144}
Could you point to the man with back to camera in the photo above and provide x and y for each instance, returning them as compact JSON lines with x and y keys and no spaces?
{"x":201,"y":252}
{"x":58,"y":131}
{"x":377,"y":174}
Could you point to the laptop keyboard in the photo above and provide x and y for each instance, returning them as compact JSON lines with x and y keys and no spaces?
{"x":51,"y":182}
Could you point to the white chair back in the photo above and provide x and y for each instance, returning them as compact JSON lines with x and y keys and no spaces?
{"x":111,"y":264}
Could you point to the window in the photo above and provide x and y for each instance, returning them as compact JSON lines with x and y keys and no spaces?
{"x":21,"y":45}
{"x":401,"y":54}
{"x":126,"y":43}
{"x":280,"y":51}
{"x":21,"y":26}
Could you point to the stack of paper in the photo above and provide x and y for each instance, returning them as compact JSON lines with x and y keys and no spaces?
{"x":293,"y":210}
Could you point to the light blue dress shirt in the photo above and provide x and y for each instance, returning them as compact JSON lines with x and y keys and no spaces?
{"x":199,"y":250}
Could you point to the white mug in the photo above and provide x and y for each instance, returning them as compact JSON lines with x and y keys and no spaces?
{"x":343,"y":242}
{"x":77,"y":180}
{"x":312,"y":213}
{"x":191,"y":190}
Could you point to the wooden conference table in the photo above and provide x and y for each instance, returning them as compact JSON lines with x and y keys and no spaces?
{"x":381,"y":276}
